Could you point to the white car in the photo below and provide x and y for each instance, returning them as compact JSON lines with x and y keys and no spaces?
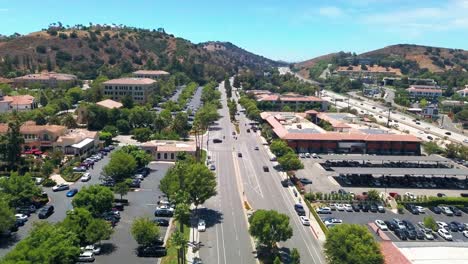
{"x":442,"y":225}
{"x":420,"y":209}
{"x":86,"y":177}
{"x":96,"y":250}
{"x":21,"y":217}
{"x":465,"y":233}
{"x":340,"y":207}
{"x":348,"y":207}
{"x":305,"y":221}
{"x":445,"y":234}
{"x":381,"y":225}
{"x":201,"y":225}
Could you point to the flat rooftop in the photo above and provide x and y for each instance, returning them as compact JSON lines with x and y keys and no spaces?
{"x":432,"y":158}
{"x":403,"y":171}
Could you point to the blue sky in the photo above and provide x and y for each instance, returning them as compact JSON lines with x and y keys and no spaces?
{"x":292,"y":30}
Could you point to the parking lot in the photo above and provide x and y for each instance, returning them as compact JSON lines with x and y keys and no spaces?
{"x":365,"y":218}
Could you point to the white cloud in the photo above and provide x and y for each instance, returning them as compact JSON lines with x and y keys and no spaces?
{"x":330,"y":11}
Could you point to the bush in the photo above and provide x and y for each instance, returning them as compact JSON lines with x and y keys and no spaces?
{"x":48,"y":183}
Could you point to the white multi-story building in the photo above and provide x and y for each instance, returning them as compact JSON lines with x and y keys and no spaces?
{"x":137,"y":88}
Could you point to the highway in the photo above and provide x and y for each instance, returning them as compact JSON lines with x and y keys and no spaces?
{"x":226,"y":239}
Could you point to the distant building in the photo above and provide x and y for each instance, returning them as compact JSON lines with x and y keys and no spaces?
{"x":272,"y":101}
{"x":137,"y":88}
{"x":17,"y":103}
{"x":168,"y":150}
{"x":50,"y":79}
{"x":463,"y":92}
{"x":109,"y":104}
{"x":151,"y":74}
{"x":423,"y":91}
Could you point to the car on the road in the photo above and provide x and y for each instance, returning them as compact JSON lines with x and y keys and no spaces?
{"x":86,"y":177}
{"x":445,"y":234}
{"x":60,"y":187}
{"x":95,"y":249}
{"x":201,"y":227}
{"x":323,"y":210}
{"x":305,"y":181}
{"x":161,"y":222}
{"x":72,"y":192}
{"x":86,"y":256}
{"x":299,"y":209}
{"x":151,"y":251}
{"x":304,"y":220}
{"x":45,"y":211}
{"x":381,"y":225}
{"x":21,"y":217}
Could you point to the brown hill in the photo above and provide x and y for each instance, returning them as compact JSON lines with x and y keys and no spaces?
{"x":113,"y":51}
{"x":408,"y":58}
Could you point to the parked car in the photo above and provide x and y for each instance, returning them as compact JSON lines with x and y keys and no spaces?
{"x":45,"y":211}
{"x":72,"y":192}
{"x":201,"y":225}
{"x":161,"y":222}
{"x":86,"y":177}
{"x":323,"y":210}
{"x":299,"y":209}
{"x":445,"y":234}
{"x":381,"y":225}
{"x":86,"y":256}
{"x":151,"y":251}
{"x":60,"y":187}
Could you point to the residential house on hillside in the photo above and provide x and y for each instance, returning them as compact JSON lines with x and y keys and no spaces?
{"x":137,"y":88}
{"x":49,"y":79}
{"x":168,"y":150}
{"x":16,"y":103}
{"x":463,"y":92}
{"x":151,"y":74}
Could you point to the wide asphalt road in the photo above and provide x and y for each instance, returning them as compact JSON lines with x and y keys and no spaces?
{"x":226,"y":239}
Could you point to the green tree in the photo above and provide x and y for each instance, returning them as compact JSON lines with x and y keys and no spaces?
{"x":430,"y":223}
{"x":98,"y":230}
{"x":351,"y":243}
{"x":279,"y":147}
{"x":121,"y":188}
{"x":19,"y":190}
{"x":270,"y":227}
{"x":7,"y":215}
{"x":290,"y":162}
{"x":295,"y":256}
{"x":144,"y":231}
{"x":121,"y":166}
{"x":373,"y":195}
{"x":200,"y":184}
{"x":95,"y":198}
{"x":142,"y":134}
{"x":46,"y":243}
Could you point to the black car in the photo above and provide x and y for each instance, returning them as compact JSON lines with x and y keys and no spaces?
{"x":373,"y":208}
{"x":27,"y":209}
{"x":456,"y":211}
{"x":459,"y":226}
{"x":161,"y":222}
{"x":412,"y":209}
{"x":299,"y":209}
{"x":151,"y":251}
{"x":391,"y":225}
{"x":411,"y":234}
{"x":356,"y":207}
{"x":401,"y":234}
{"x":45,"y":211}
{"x":436,"y":210}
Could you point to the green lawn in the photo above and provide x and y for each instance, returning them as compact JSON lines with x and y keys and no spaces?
{"x":171,"y":257}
